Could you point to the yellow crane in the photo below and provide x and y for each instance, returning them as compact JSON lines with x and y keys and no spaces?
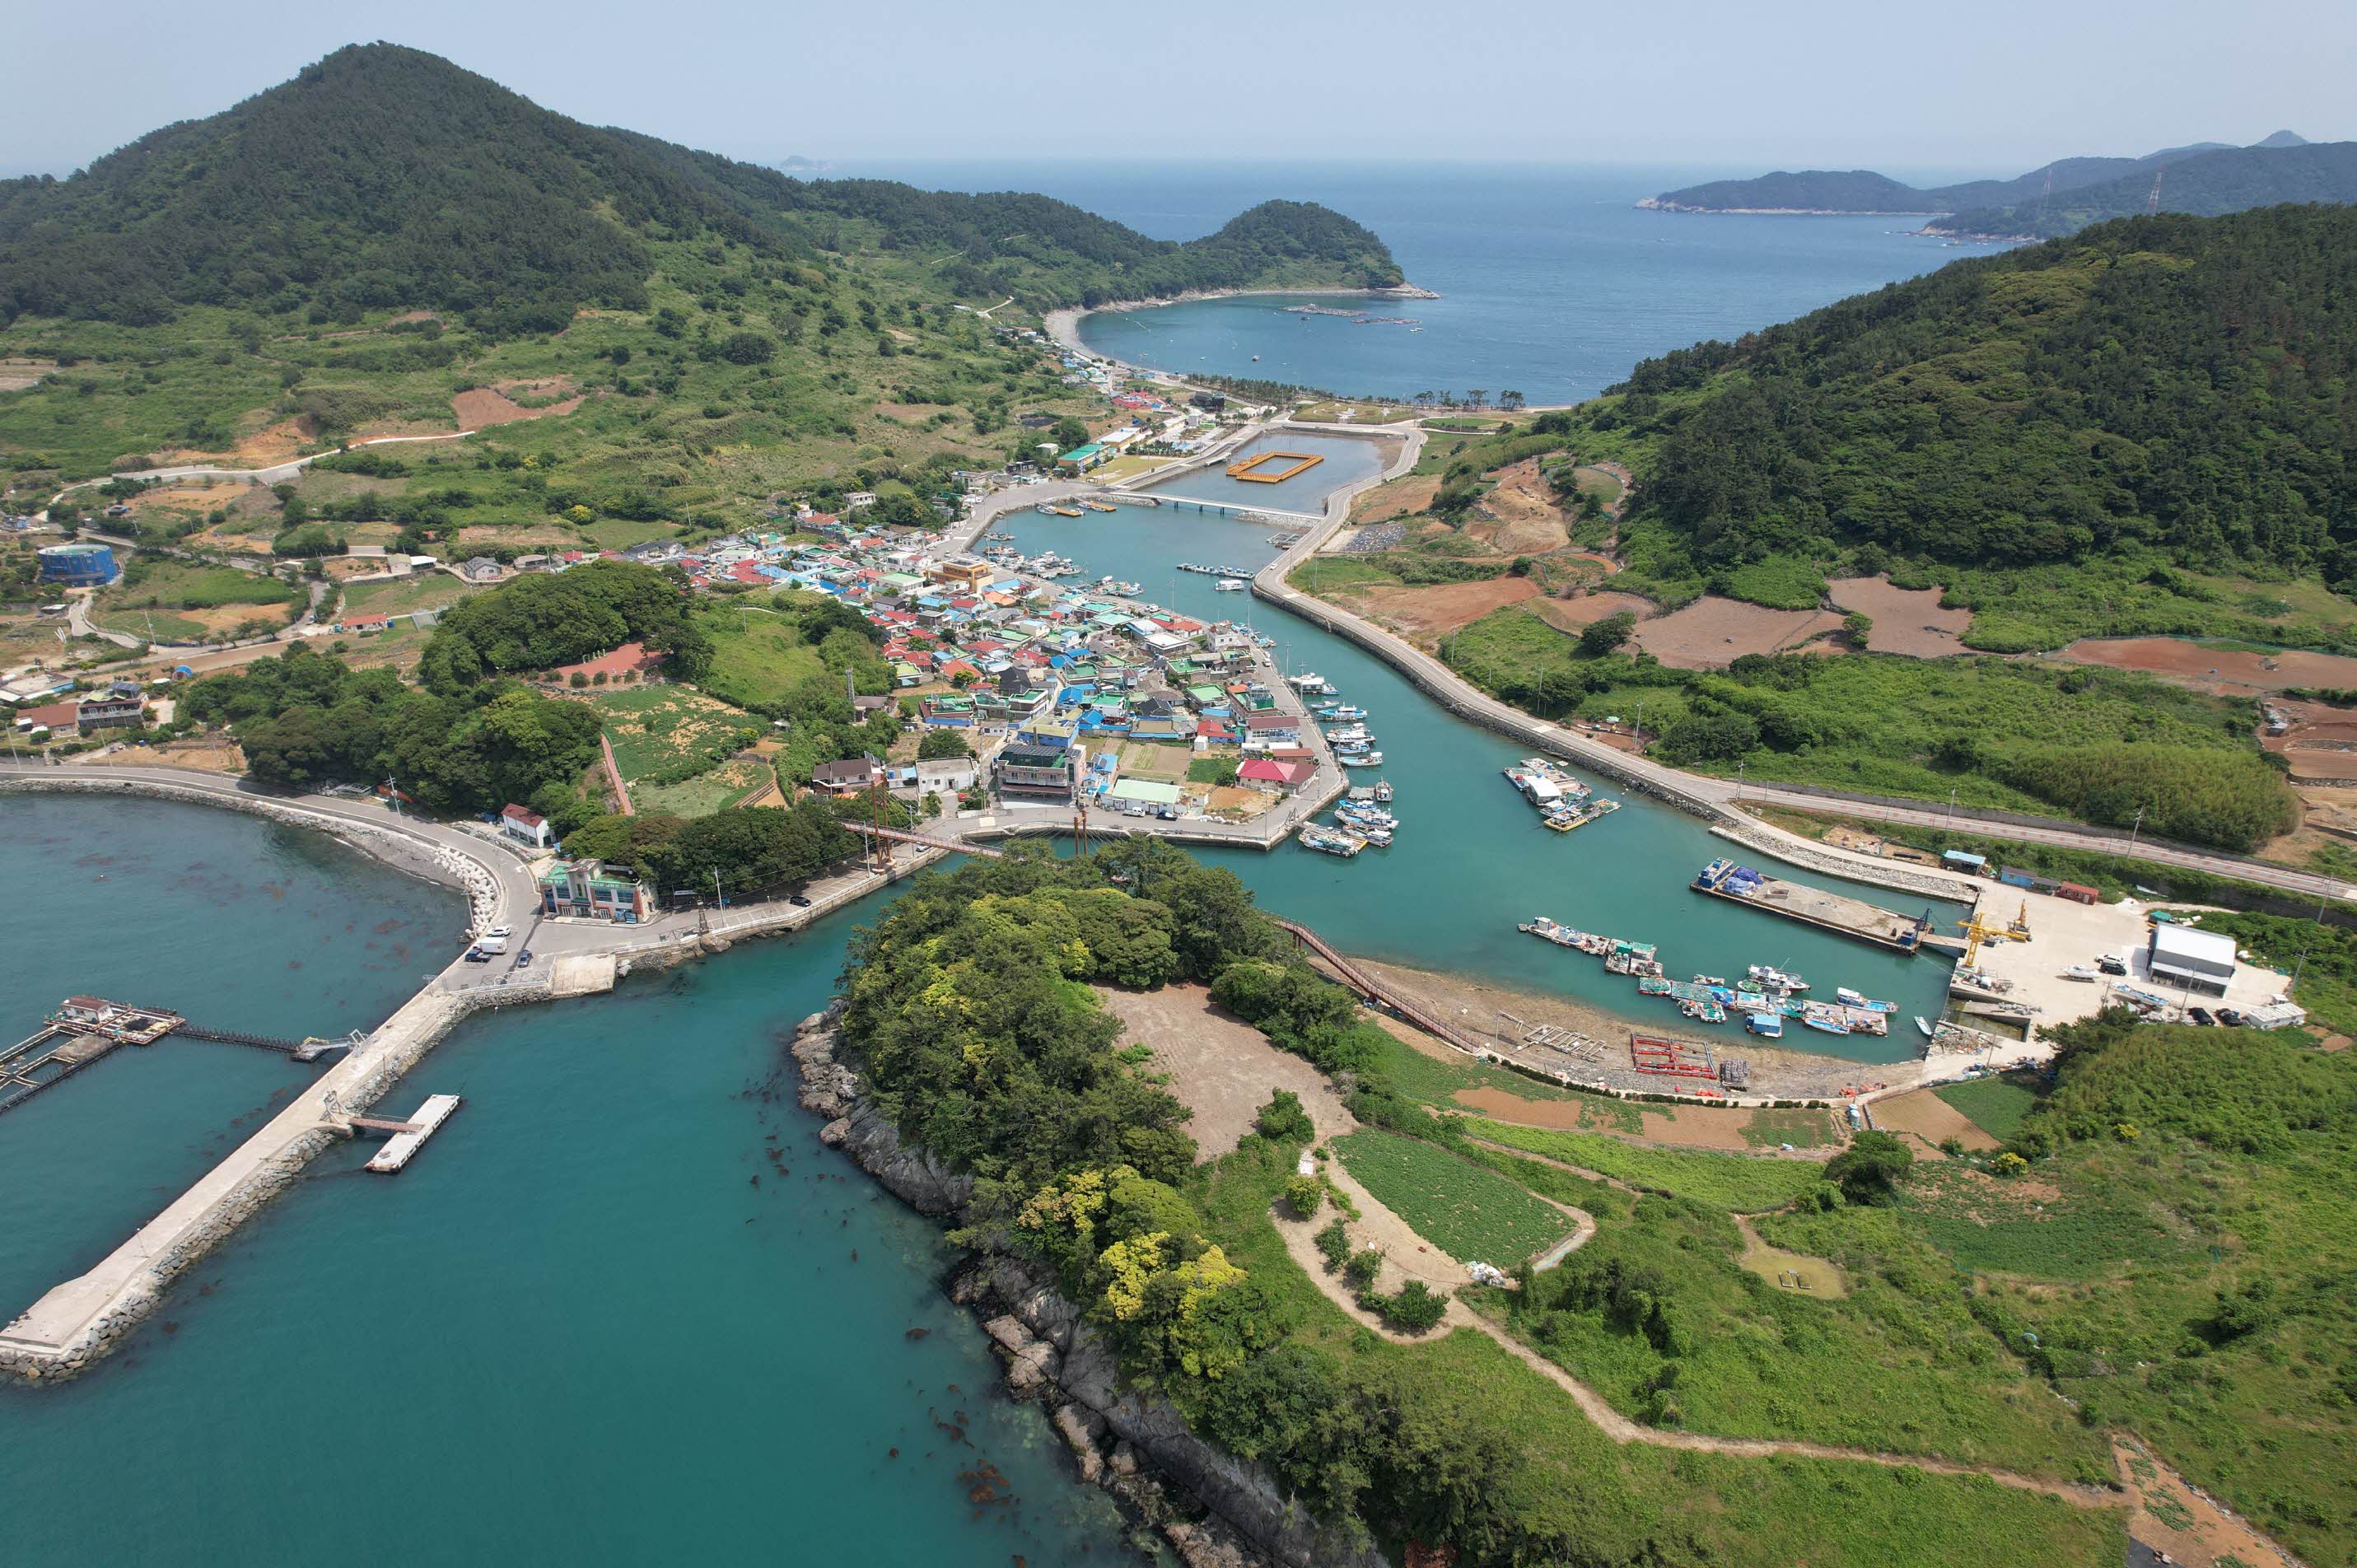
{"x":2018,"y":927}
{"x":1978,"y":931}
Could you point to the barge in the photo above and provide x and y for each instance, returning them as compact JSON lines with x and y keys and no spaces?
{"x":1723,"y":878}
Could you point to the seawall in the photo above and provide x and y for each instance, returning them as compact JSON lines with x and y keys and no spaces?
{"x":1137,"y":1447}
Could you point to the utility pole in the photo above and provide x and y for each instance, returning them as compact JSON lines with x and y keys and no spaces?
{"x":716,"y":895}
{"x":2139,"y":827}
{"x":1739,"y":781}
{"x":392,"y":793}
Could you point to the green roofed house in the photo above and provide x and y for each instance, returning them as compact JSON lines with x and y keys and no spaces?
{"x":1144,"y":792}
{"x":1080,"y":459}
{"x":586,"y":889}
{"x":1205,"y":696}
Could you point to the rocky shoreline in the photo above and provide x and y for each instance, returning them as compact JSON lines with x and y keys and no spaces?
{"x":1216,"y":1510}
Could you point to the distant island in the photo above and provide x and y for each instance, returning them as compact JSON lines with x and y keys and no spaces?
{"x":2207,"y":179}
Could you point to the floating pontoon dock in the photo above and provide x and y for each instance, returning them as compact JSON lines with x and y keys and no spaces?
{"x":1251,"y":469}
{"x":409,"y":1136}
{"x":1812,"y":907}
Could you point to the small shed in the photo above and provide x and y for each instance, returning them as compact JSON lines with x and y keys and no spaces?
{"x":2077,"y":893}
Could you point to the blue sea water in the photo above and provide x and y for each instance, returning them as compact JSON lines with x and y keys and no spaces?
{"x":1553,"y":283}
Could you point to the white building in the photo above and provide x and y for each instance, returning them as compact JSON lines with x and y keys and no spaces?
{"x":2191,"y":959}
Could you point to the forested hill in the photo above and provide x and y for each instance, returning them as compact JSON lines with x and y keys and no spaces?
{"x":2032,"y":203}
{"x":2167,"y":385}
{"x":384,"y":178}
{"x":2206,"y":184}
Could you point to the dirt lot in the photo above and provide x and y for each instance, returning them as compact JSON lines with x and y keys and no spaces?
{"x":1906,"y":620}
{"x":1712,"y":631}
{"x":1397,"y":499}
{"x":1792,"y":1271}
{"x":2214,"y":669}
{"x":1426,"y":614}
{"x":484,"y":407}
{"x":1525,"y":519}
{"x":1220,"y":1067}
{"x":1572,"y":615}
{"x":209,"y":755}
{"x":907,"y":412}
{"x":2196,"y":1530}
{"x":1929,"y":1120}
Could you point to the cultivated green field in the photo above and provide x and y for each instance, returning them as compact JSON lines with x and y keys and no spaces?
{"x":1461,"y":1208}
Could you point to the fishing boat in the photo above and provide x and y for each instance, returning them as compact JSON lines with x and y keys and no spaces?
{"x":1379,"y":837}
{"x":1925,"y":1024}
{"x":1849,"y":998}
{"x":1231,"y":585}
{"x":1312,"y":682}
{"x":1767,"y":977}
{"x":1362,"y":760}
{"x":1825,"y":1018}
{"x":1545,"y":930}
{"x":2081,"y":972}
{"x":1383,"y":791}
{"x":1767,"y":1025}
{"x":1352,"y":737}
{"x":1340,"y":712}
{"x":1326,"y":841}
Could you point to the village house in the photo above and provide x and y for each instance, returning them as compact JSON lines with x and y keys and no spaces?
{"x":527,"y":826}
{"x":1266,"y":773}
{"x":849,"y":777}
{"x":116,"y":710}
{"x":1038,"y":772}
{"x":364,"y":624}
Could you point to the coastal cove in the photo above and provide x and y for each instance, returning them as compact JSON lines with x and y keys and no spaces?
{"x":1551,"y":281}
{"x":676,"y":1263}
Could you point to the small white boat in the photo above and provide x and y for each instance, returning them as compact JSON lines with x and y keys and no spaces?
{"x":2081,"y":972}
{"x":1925,"y":1024}
{"x":1383,"y":792}
{"x":1362,"y":760}
{"x":1231,"y":585}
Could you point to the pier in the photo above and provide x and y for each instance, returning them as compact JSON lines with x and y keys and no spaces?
{"x":409,"y":1136}
{"x":1722,"y":878}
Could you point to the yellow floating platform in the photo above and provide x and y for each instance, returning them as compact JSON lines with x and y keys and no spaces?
{"x":1251,"y":469}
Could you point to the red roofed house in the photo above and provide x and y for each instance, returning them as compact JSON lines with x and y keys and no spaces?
{"x":527,"y":826}
{"x":55,"y":716}
{"x":364,"y":625}
{"x":1277,"y":778}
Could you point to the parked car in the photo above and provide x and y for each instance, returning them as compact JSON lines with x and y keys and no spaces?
{"x":477,"y":955}
{"x":2200,"y":1015}
{"x":2230,"y":1018}
{"x":2111,"y":964}
{"x":499,"y":932}
{"x":799,"y":902}
{"x":523,"y":959}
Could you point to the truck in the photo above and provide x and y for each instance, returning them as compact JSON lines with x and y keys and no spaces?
{"x":490,"y":946}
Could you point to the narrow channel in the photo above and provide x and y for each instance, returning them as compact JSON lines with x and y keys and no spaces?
{"x":1472,"y":862}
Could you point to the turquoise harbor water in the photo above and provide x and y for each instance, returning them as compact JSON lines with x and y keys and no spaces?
{"x":626,"y":1311}
{"x":1471,"y":861}
{"x":1342,"y":461}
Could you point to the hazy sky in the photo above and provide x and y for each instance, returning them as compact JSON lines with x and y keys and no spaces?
{"x":1732,"y":83}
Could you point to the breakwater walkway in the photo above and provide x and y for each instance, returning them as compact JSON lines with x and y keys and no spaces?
{"x":78,"y":1321}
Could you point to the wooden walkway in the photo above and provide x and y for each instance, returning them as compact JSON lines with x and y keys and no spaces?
{"x":1375,"y":991}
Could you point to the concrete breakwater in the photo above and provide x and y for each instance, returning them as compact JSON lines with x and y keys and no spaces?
{"x":78,"y":1322}
{"x":1215,"y":1509}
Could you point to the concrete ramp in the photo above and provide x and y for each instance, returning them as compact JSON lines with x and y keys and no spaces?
{"x":581,"y":974}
